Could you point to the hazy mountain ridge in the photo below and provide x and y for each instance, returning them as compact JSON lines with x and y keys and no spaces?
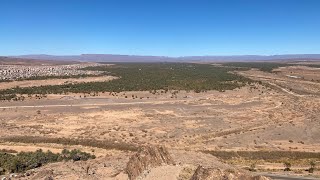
{"x":30,"y":61}
{"x":141,"y":58}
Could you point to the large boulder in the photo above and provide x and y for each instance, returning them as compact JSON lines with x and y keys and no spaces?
{"x":202,"y":173}
{"x":146,"y":158}
{"x":44,"y":174}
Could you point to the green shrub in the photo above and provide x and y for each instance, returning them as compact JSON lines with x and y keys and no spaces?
{"x":29,"y":160}
{"x":76,"y":155}
{"x":287,"y":166}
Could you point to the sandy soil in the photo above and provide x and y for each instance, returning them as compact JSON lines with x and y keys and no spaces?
{"x":285,"y":115}
{"x":29,"y":83}
{"x":250,"y":118}
{"x":289,"y":81}
{"x":300,"y":72}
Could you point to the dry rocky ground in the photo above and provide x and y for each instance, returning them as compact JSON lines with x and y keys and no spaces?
{"x":30,"y":83}
{"x":149,"y":163}
{"x":284,"y":115}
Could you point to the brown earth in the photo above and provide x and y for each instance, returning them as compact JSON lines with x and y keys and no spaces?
{"x":281,"y":115}
{"x":145,"y":158}
{"x":30,"y":83}
{"x":150,"y":163}
{"x":202,"y":173}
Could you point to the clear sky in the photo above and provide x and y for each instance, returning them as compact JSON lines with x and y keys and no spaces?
{"x":159,"y":27}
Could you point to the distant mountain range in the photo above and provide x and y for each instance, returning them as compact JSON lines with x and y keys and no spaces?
{"x":137,"y":58}
{"x":27,"y":61}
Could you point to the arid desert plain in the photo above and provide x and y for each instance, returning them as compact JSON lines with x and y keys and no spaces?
{"x":277,"y":113}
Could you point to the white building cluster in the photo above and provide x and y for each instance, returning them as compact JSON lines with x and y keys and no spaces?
{"x":14,"y":72}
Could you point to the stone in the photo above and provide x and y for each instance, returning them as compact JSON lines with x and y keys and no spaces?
{"x":146,"y":158}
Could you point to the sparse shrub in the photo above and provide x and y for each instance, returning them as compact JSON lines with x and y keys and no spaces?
{"x":274,"y":156}
{"x":2,"y":171}
{"x":8,"y":151}
{"x":76,"y":155}
{"x":287,"y":166}
{"x":312,"y":166}
{"x":105,"y":144}
{"x":253,"y":167}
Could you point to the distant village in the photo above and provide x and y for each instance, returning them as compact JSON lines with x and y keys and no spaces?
{"x":16,"y":72}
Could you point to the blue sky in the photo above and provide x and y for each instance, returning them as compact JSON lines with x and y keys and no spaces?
{"x":160,"y":27}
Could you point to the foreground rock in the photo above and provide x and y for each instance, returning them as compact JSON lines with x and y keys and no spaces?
{"x":149,"y":163}
{"x":146,"y":158}
{"x":212,"y":173}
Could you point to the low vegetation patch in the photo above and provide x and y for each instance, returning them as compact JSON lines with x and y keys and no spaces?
{"x":23,"y":161}
{"x":53,"y":77}
{"x":263,"y":66}
{"x":272,"y":156}
{"x":8,"y":151}
{"x":250,"y":159}
{"x":146,"y":77}
{"x":106,"y":144}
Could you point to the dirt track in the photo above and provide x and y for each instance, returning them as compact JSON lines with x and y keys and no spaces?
{"x":211,"y":120}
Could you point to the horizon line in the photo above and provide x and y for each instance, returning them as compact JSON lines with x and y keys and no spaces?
{"x":263,"y":55}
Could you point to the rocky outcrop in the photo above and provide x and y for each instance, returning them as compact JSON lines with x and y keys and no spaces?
{"x":202,"y":173}
{"x":146,"y":158}
{"x":45,"y":174}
